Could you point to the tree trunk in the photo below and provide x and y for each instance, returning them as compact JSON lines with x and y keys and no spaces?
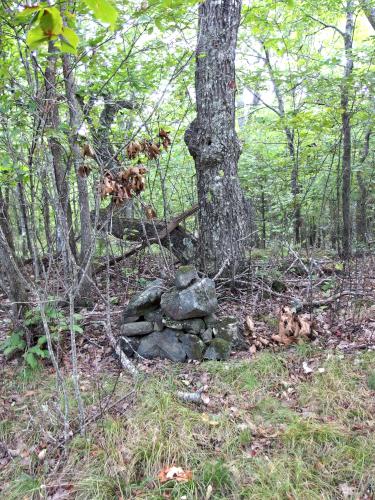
{"x":289,"y":134}
{"x":60,"y":173}
{"x":75,"y":122}
{"x":212,"y":140}
{"x":346,"y":132}
{"x":361,"y":221}
{"x":369,"y":10}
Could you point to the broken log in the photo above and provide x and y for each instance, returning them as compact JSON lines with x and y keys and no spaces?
{"x":171,"y":235}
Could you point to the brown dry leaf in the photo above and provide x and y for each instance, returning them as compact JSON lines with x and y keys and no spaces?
{"x":249,"y":324}
{"x":253,"y":349}
{"x":88,"y":150}
{"x":133,"y":149}
{"x":150,"y":213}
{"x":174,"y":473}
{"x":84,"y":170}
{"x":293,"y":327}
{"x":164,"y":135}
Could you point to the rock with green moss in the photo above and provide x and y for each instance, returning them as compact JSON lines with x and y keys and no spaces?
{"x":185,"y":277}
{"x":228,"y":329}
{"x":218,"y":349}
{"x":193,"y":345}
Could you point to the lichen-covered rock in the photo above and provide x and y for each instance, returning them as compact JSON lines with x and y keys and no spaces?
{"x":218,"y":349}
{"x":195,"y":325}
{"x":185,"y":276}
{"x":228,"y":329}
{"x":164,"y":345}
{"x":197,"y":301}
{"x":137,"y":328}
{"x":146,"y":300}
{"x":129,"y":345}
{"x":193,"y":345}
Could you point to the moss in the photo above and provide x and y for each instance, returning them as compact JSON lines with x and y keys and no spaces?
{"x":218,"y":349}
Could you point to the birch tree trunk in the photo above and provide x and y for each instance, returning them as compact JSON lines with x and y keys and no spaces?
{"x":212,"y":140}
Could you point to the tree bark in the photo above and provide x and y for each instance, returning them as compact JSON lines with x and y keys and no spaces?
{"x":361,"y":221}
{"x":212,"y":140}
{"x":60,"y":173}
{"x":75,"y":122}
{"x":346,"y":131}
{"x":369,"y":10}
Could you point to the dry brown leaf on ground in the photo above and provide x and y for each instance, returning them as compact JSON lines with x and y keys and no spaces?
{"x":293,"y":327}
{"x":174,"y":473}
{"x":249,"y":324}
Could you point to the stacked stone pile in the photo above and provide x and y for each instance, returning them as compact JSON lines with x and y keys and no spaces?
{"x":178,"y":323}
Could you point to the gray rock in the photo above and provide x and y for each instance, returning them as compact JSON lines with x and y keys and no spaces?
{"x":138,"y":328}
{"x":206,"y":336}
{"x":197,"y":301}
{"x":193,"y":345}
{"x":228,"y":329}
{"x":185,"y":276}
{"x":218,"y":349}
{"x":195,"y":325}
{"x":156,"y":317}
{"x":131,"y":319}
{"x":210,"y":320}
{"x":146,"y":300}
{"x":163,"y":345}
{"x":129,"y":345}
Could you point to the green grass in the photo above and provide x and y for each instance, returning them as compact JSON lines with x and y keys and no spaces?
{"x":254,"y":440}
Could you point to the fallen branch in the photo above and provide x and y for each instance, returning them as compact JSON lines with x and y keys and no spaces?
{"x":156,"y":232}
{"x":193,"y":397}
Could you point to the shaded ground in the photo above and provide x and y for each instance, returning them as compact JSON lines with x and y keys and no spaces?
{"x":281,"y":423}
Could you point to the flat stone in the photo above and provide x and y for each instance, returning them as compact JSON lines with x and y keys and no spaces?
{"x":164,"y":345}
{"x":193,"y":345}
{"x":146,"y":300}
{"x":185,"y":276}
{"x":129,"y":345}
{"x":195,"y":325}
{"x":218,"y":349}
{"x":210,"y":320}
{"x":197,"y":301}
{"x":138,"y":328}
{"x":131,"y":319}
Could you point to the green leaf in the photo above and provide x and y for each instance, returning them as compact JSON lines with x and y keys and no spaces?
{"x":31,"y":360}
{"x":51,"y":21}
{"x":103,"y":10}
{"x":36,"y":37}
{"x":69,"y":41}
{"x":27,"y":13}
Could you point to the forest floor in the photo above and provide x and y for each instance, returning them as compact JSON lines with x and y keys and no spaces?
{"x":278,"y":423}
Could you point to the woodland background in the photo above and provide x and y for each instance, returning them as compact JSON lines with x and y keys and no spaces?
{"x":91,"y":87}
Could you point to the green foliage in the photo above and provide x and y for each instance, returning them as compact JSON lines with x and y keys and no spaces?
{"x":58,"y":325}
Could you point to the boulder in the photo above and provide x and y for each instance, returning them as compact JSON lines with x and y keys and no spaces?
{"x":131,"y":319}
{"x":163,"y":345}
{"x":196,"y":301}
{"x":193,"y":345}
{"x":206,"y":336}
{"x":195,"y":325}
{"x":146,"y":300}
{"x":185,"y":276}
{"x":228,"y":329}
{"x":156,"y":317}
{"x":129,"y":345}
{"x":137,"y":328}
{"x":218,"y":349}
